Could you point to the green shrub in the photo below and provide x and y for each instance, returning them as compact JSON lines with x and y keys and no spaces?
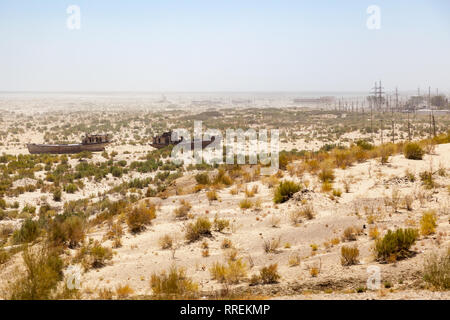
{"x":285,"y":190}
{"x":57,"y":194}
{"x":201,"y":227}
{"x":202,"y":178}
{"x":395,"y":244}
{"x":70,"y":188}
{"x":413,"y":151}
{"x":4,"y":256}
{"x":28,"y":232}
{"x":427,"y":179}
{"x":117,"y":172}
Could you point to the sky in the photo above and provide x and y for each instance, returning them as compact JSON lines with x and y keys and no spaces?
{"x":223,"y":45}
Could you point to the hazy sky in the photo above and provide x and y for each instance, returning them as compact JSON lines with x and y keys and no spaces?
{"x":223,"y":45}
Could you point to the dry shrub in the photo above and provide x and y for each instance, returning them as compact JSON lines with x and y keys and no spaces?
{"x":349,"y":255}
{"x":173,"y":284}
{"x":140,"y":216}
{"x":374,"y":233}
{"x":335,"y":241}
{"x":232,"y":272}
{"x":275,"y":221}
{"x":105,"y":294}
{"x":201,"y":227}
{"x":223,"y":178}
{"x":408,"y":200}
{"x":307,"y":211}
{"x":437,"y":270}
{"x":166,"y":242}
{"x":226,"y":244}
{"x":124,"y":291}
{"x":212,"y":195}
{"x":428,"y":223}
{"x":326,"y":187}
{"x":269,"y":274}
{"x":249,"y":193}
{"x":271,"y":246}
{"x":245,"y":204}
{"x":234,"y":191}
{"x":43,"y":271}
{"x":220,"y":224}
{"x":314,"y":271}
{"x":326,"y":173}
{"x":115,"y":233}
{"x":394,"y":200}
{"x":68,"y":231}
{"x":271,"y":181}
{"x":294,"y":260}
{"x":93,"y":255}
{"x":351,"y":233}
{"x":182,"y":211}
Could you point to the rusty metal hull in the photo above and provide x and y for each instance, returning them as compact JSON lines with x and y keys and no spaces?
{"x":65,"y":148}
{"x":204,"y":144}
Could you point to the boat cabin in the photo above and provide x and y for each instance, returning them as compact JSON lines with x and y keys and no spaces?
{"x":95,"y":138}
{"x":164,"y":140}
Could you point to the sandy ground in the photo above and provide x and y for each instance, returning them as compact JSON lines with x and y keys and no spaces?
{"x":371,"y":183}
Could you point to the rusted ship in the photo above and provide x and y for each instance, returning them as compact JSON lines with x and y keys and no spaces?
{"x":90,"y":142}
{"x":165,"y":140}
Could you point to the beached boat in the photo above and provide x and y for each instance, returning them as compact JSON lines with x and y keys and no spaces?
{"x":165,"y":140}
{"x":90,"y":142}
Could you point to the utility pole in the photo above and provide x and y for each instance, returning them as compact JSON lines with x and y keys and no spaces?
{"x":371,"y":119}
{"x":429,"y":108}
{"x":381,"y":131}
{"x":409,"y":128}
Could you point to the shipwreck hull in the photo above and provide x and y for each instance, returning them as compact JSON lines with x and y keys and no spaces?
{"x":65,"y":148}
{"x":204,"y":144}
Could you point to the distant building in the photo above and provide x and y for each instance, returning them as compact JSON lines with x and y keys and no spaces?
{"x":321,"y":100}
{"x":434,"y":112}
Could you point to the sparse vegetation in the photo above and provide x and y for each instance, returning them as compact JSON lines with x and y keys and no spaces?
{"x":285,"y":191}
{"x":428,"y":223}
{"x":413,"y":151}
{"x":140,"y":216}
{"x":437,"y":270}
{"x":173,"y":284}
{"x":201,"y":228}
{"x":395,"y":245}
{"x":349,"y":255}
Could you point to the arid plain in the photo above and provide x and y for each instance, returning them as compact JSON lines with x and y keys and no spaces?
{"x":357,"y":197}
